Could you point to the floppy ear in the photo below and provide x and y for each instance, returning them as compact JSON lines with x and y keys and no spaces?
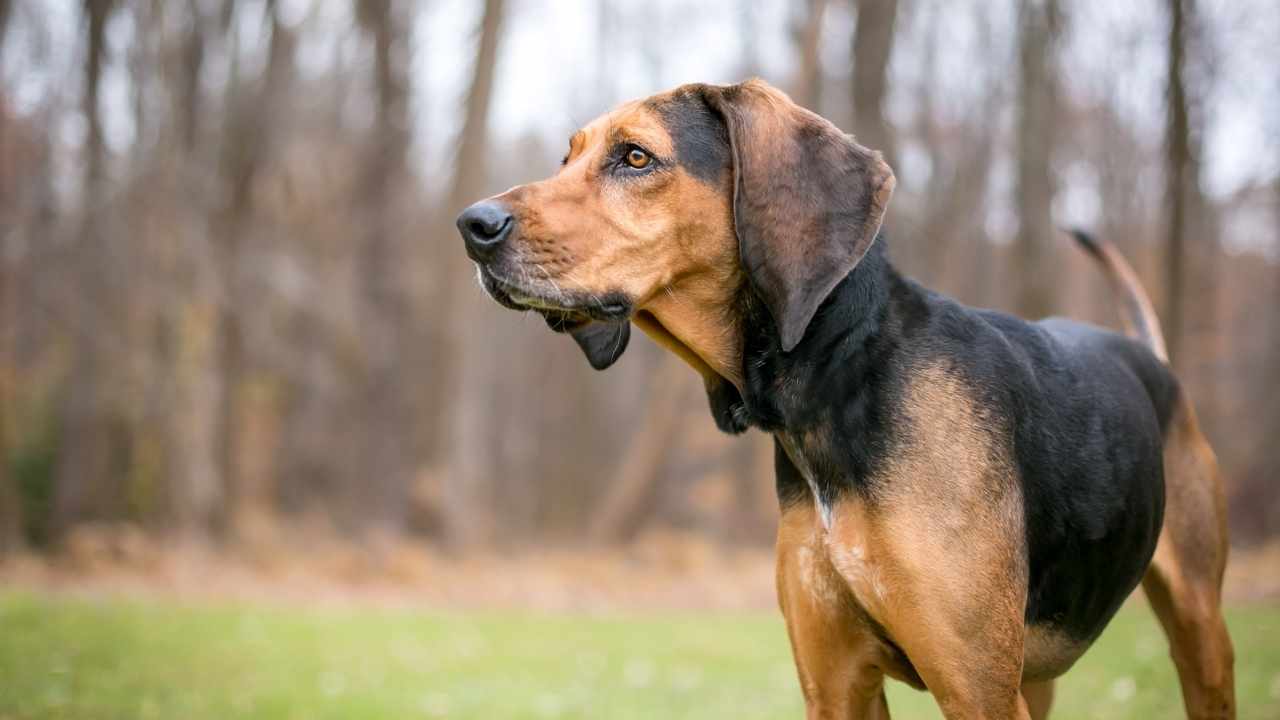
{"x":807,"y":204}
{"x":602,"y":342}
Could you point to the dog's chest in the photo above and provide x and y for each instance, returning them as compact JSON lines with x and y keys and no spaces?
{"x":847,"y":550}
{"x":803,"y":459}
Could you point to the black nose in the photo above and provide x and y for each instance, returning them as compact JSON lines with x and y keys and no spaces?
{"x":484,"y":226}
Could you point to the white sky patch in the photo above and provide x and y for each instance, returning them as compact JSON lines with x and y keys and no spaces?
{"x":1078,"y":202}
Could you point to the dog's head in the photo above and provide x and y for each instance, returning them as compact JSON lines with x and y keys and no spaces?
{"x":666,"y":209}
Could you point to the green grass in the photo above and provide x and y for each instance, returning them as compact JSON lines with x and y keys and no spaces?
{"x":64,"y":658}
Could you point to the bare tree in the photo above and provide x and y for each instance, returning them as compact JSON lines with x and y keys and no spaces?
{"x":384,"y":403}
{"x":238,"y":164}
{"x":945,"y":243}
{"x":466,"y":451}
{"x":623,"y":509}
{"x":84,"y":462}
{"x":252,"y":309}
{"x":10,"y":502}
{"x":192,"y":58}
{"x":195,"y":491}
{"x":806,"y":33}
{"x":245,"y":145}
{"x":872,"y":49}
{"x":6,"y":10}
{"x":1182,"y":187}
{"x":1039,"y":28}
{"x":1270,"y":462}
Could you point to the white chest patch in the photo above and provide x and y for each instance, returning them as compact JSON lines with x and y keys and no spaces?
{"x":815,"y":574}
{"x":797,"y":458}
{"x":859,"y":571}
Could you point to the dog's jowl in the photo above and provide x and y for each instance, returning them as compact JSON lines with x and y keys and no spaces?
{"x":966,"y":497}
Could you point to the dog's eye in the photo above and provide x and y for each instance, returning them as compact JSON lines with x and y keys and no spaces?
{"x":637,"y":158}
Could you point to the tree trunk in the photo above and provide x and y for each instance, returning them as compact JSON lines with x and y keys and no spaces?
{"x":1271,"y":454}
{"x":388,"y":420}
{"x":807,"y":35}
{"x":751,"y":511}
{"x":466,"y":450}
{"x":83,"y":456}
{"x":1037,"y":114}
{"x":872,"y":49}
{"x":10,"y":501}
{"x":243,"y":147}
{"x":191,"y":65}
{"x":6,"y":11}
{"x":469,"y":174}
{"x":236,"y":167}
{"x":623,"y":509}
{"x":195,"y":491}
{"x":1181,"y":182}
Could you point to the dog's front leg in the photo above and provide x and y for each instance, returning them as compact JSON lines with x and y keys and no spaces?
{"x":949,"y":591}
{"x":837,"y":655}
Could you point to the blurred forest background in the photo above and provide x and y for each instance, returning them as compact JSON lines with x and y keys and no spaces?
{"x":234,"y":311}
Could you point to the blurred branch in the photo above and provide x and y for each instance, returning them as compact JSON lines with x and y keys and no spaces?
{"x":10,"y":508}
{"x":1181,"y":177}
{"x":807,"y":37}
{"x":872,"y":50}
{"x":243,"y":154}
{"x":467,"y":366}
{"x":623,"y":509}
{"x":386,"y":321}
{"x":192,"y":56}
{"x":469,"y":164}
{"x":84,"y":461}
{"x":6,"y":11}
{"x":222,"y":242}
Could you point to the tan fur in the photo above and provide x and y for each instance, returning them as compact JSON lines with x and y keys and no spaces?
{"x":891,"y":563}
{"x":838,"y":658}
{"x":668,"y":242}
{"x":1048,"y":653}
{"x":1039,"y":697}
{"x":1184,"y":581}
{"x":958,"y":616}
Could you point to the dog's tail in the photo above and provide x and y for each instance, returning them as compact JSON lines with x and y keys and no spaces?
{"x":1138,"y":316}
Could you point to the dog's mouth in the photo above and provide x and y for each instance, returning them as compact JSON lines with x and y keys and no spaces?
{"x":563,"y":311}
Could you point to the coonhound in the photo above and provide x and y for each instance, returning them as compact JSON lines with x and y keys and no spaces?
{"x":966,"y":497}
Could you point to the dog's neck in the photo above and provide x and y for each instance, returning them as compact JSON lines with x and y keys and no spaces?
{"x":847,"y":340}
{"x":734,"y":344}
{"x":698,"y":318}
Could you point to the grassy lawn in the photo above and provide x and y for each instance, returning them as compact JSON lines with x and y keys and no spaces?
{"x":62,"y":658}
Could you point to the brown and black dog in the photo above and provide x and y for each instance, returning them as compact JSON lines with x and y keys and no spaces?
{"x":966,"y":497}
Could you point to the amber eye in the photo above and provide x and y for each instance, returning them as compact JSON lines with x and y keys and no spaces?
{"x":638,"y":158}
